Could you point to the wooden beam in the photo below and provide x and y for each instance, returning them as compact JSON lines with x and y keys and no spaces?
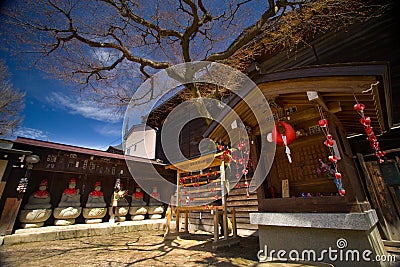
{"x":344,"y":84}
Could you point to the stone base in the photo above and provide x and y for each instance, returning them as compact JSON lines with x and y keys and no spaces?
{"x":67,"y":213}
{"x":94,"y":213}
{"x":119,"y":211}
{"x":155,"y":216}
{"x":137,"y":217}
{"x":93,"y":221}
{"x":337,"y":238}
{"x":32,"y":225}
{"x":34,"y":216}
{"x":155,"y":209}
{"x":66,"y":222}
{"x":137,"y":210}
{"x":120,"y":218}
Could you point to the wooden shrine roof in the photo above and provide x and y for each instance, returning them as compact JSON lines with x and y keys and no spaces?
{"x":337,"y":85}
{"x":81,"y":150}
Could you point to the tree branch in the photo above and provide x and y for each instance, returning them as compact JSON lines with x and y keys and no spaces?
{"x":247,"y":37}
{"x":125,"y":11}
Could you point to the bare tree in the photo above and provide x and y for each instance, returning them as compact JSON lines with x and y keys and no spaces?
{"x":111,"y":46}
{"x":11,"y":103}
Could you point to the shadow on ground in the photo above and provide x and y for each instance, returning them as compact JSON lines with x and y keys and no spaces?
{"x":141,"y":248}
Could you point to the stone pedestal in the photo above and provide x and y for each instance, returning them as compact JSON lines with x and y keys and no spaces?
{"x":34,"y":218}
{"x":342,"y":239}
{"x":66,"y":215}
{"x":155,"y":212}
{"x":137,"y":213}
{"x":94,"y":215}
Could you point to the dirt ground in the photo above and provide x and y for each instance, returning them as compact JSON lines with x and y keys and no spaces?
{"x":141,"y":248}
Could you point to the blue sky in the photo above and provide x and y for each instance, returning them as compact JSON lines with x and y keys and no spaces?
{"x":53,"y":113}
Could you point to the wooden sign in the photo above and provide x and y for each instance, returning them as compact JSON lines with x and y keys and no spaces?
{"x":285,"y":188}
{"x":196,"y":164}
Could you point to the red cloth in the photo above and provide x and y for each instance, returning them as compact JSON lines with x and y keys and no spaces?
{"x":70,"y":191}
{"x":41,"y":194}
{"x":138,"y":195}
{"x":96,"y":193}
{"x":155,"y":195}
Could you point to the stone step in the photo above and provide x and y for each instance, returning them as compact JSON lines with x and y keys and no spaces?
{"x":49,"y":233}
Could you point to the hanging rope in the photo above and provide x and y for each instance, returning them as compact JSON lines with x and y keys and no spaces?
{"x":333,"y":158}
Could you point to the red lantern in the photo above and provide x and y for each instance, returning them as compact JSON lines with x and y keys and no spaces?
{"x":290,"y":134}
{"x":284,"y":139}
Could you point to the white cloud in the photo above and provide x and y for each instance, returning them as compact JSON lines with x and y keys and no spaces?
{"x":109,"y":130}
{"x":86,"y":108}
{"x":31,"y":133}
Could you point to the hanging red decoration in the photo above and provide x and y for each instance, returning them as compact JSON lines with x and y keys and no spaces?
{"x":373,"y":140}
{"x":278,"y":138}
{"x":283,"y":139}
{"x":333,"y":158}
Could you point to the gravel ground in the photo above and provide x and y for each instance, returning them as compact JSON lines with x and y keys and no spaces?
{"x":141,"y":248}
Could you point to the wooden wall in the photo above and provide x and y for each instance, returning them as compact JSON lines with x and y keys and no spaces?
{"x":58,"y":167}
{"x":302,"y":172}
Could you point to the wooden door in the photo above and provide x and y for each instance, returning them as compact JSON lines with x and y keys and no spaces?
{"x":382,"y":195}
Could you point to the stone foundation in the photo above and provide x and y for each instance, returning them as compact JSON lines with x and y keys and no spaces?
{"x":341,"y":239}
{"x":155,"y":212}
{"x":137,"y":213}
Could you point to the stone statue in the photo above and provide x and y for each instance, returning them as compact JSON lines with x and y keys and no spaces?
{"x":95,"y":208}
{"x":38,"y":208}
{"x":69,"y":207}
{"x":156,"y":208}
{"x":96,"y":198}
{"x":137,"y":198}
{"x":39,"y":199}
{"x":138,"y":206}
{"x":70,"y":196}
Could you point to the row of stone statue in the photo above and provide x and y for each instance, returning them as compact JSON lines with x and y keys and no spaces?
{"x":38,"y":208}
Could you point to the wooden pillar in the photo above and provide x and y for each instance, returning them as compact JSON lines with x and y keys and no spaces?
{"x":2,"y":186}
{"x":177,"y":220}
{"x":234,"y":223}
{"x":178,"y":176}
{"x":169,"y":214}
{"x":223,"y":197}
{"x":186,"y":222}
{"x":216,"y":224}
{"x":225,"y":222}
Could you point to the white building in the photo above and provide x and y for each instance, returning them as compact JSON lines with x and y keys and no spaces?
{"x":140,"y":141}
